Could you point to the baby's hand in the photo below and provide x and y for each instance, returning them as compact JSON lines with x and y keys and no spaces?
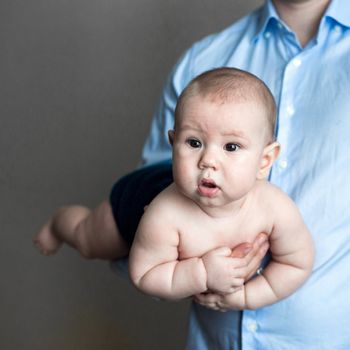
{"x":224,"y":273}
{"x":220,"y":302}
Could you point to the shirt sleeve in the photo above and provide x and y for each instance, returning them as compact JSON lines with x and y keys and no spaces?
{"x":157,"y":147}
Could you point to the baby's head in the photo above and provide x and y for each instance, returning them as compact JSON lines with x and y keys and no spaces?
{"x":223,"y":140}
{"x":225,"y":85}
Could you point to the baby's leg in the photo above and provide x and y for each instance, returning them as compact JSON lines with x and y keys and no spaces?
{"x":93,"y":233}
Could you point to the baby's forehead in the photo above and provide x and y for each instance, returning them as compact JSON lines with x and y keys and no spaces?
{"x":193,"y":106}
{"x":221,"y":99}
{"x":204,"y":109}
{"x":225,"y":116}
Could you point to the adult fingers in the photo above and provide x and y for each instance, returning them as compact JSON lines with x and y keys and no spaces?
{"x":254,"y":257}
{"x":255,"y":263}
{"x":241,"y":250}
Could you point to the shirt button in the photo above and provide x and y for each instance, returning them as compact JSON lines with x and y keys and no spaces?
{"x":290,"y":110}
{"x":337,"y":28}
{"x":283,"y":164}
{"x":279,"y":25}
{"x":252,"y":326}
{"x":267,"y":35}
{"x":297,"y":62}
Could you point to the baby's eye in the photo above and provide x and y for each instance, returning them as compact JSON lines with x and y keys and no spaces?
{"x":194,"y":143}
{"x":231,"y":147}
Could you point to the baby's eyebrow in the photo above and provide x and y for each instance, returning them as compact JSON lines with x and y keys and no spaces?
{"x":190,"y":127}
{"x":227,"y":133}
{"x":238,"y":136}
{"x":234,"y":132}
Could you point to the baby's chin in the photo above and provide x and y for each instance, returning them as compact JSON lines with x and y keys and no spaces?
{"x":201,"y":200}
{"x":207,"y":201}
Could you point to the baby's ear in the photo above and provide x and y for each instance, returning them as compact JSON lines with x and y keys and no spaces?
{"x":270,"y":154}
{"x":171,"y":135}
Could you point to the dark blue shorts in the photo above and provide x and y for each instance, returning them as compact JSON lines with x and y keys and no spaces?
{"x":133,"y":192}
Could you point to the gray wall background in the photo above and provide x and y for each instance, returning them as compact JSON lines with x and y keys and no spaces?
{"x":79,"y":80}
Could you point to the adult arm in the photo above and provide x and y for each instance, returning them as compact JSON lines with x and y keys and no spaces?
{"x":157,"y":147}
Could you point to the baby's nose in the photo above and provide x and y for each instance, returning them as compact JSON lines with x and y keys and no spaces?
{"x":208,"y":160}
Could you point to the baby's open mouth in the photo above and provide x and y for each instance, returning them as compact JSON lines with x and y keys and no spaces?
{"x":208,"y":183}
{"x":207,"y":188}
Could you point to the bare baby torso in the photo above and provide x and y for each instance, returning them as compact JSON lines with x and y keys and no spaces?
{"x":199,"y":232}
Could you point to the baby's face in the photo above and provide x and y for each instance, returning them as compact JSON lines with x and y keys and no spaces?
{"x":218,"y":149}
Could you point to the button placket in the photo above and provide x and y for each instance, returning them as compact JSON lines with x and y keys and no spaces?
{"x":286,"y":111}
{"x":290,"y":110}
{"x":252,"y":326}
{"x":283,"y":164}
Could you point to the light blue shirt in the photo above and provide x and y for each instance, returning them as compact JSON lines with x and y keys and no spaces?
{"x":312,"y":89}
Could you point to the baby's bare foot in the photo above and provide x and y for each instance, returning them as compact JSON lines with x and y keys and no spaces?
{"x":46,"y":241}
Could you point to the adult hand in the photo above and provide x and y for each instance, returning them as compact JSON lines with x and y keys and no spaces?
{"x":252,"y":254}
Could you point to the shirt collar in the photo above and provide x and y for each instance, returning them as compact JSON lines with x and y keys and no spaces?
{"x":339,"y":10}
{"x":266,"y":17}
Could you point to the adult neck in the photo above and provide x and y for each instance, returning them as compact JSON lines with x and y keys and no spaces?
{"x":302,"y":16}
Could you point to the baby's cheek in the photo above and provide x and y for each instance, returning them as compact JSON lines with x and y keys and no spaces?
{"x":184,"y":155}
{"x":183,"y":150}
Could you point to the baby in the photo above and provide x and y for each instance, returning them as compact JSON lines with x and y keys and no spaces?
{"x":223,"y":149}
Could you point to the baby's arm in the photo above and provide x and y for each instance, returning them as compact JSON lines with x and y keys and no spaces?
{"x":291,"y":263}
{"x":154,"y":262}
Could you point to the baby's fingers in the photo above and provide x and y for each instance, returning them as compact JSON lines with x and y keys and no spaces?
{"x":212,"y":301}
{"x":209,"y":300}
